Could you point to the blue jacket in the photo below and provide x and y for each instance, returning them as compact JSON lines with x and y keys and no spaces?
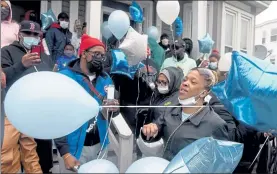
{"x":63,"y":61}
{"x":74,"y":142}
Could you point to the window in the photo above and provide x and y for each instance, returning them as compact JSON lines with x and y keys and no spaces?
{"x":264,"y":37}
{"x":243,"y":35}
{"x":273,"y":37}
{"x":229,"y":37}
{"x":237,"y":30}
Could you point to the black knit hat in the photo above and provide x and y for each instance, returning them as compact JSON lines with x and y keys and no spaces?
{"x":63,"y":15}
{"x":164,"y":36}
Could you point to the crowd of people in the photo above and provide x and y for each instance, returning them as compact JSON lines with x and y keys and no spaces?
{"x":179,"y":81}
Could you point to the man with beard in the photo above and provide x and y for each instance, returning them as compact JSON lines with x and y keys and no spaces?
{"x":90,"y":140}
{"x":179,"y":59}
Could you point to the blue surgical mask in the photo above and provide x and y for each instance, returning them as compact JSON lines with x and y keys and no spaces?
{"x":28,"y":42}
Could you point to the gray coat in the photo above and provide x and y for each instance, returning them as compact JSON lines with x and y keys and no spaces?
{"x":178,"y":134}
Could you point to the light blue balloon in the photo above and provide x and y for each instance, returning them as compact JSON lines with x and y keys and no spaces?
{"x":48,"y":105}
{"x":106,"y":32}
{"x":207,"y":155}
{"x":206,"y":44}
{"x":119,"y":23}
{"x":98,"y":166}
{"x":148,"y":165}
{"x":250,"y":92}
{"x":153,"y":32}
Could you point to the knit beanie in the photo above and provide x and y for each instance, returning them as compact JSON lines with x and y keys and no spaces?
{"x":89,"y":42}
{"x":215,"y":53}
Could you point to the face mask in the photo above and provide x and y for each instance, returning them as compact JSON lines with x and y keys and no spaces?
{"x":189,"y":101}
{"x":68,"y":53}
{"x":64,"y":24}
{"x":163,"y":89}
{"x":28,"y":42}
{"x":5,"y":12}
{"x":213,"y":65}
{"x":150,"y":149}
{"x":95,"y":66}
{"x":165,"y":42}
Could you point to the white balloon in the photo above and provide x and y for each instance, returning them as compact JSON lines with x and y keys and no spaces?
{"x":168,"y":11}
{"x":48,"y":105}
{"x":134,"y":47}
{"x":98,"y":166}
{"x":153,"y":32}
{"x":148,"y":165}
{"x":225,"y":62}
{"x":119,"y":23}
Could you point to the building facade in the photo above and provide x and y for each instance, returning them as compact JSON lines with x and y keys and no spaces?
{"x":230,"y":23}
{"x":266,"y":34}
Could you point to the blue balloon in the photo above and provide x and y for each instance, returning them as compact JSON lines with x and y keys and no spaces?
{"x":43,"y":106}
{"x":179,"y":26}
{"x":119,"y":23}
{"x":98,"y":166}
{"x":47,"y":19}
{"x":148,"y":165}
{"x":207,"y":155}
{"x":120,"y":65}
{"x":136,"y":12}
{"x":250,"y":92}
{"x":106,"y":32}
{"x":206,"y":44}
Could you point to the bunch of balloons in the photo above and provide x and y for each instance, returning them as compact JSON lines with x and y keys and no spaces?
{"x":47,"y":19}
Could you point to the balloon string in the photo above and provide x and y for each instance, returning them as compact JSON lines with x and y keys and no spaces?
{"x":36,"y":68}
{"x":148,"y":106}
{"x":171,"y":29}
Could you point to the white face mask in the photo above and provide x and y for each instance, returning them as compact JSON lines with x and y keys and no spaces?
{"x":165,"y":42}
{"x":64,"y":24}
{"x":163,"y":89}
{"x":151,"y":149}
{"x":213,"y":65}
{"x":189,"y":101}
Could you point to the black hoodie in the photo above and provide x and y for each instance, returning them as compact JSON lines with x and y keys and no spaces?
{"x":11,"y":61}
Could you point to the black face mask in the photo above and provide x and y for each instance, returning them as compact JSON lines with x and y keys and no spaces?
{"x":95,"y":65}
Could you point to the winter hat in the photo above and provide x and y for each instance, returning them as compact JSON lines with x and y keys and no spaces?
{"x":166,"y":73}
{"x":89,"y":42}
{"x":215,"y":53}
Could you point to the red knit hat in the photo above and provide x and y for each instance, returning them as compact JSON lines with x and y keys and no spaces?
{"x":215,"y":53}
{"x":88,"y":42}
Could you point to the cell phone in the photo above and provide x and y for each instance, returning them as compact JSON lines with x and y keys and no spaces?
{"x":110,"y":92}
{"x":36,"y":49}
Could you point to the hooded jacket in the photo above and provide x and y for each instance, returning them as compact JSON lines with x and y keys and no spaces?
{"x":9,"y":29}
{"x":56,"y":39}
{"x":18,"y":148}
{"x":74,"y":142}
{"x":176,"y":77}
{"x":11,"y":61}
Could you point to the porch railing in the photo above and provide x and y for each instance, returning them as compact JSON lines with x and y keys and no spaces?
{"x":123,"y":145}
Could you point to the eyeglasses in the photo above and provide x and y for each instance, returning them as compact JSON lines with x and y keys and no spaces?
{"x":161,"y":82}
{"x":97,"y":55}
